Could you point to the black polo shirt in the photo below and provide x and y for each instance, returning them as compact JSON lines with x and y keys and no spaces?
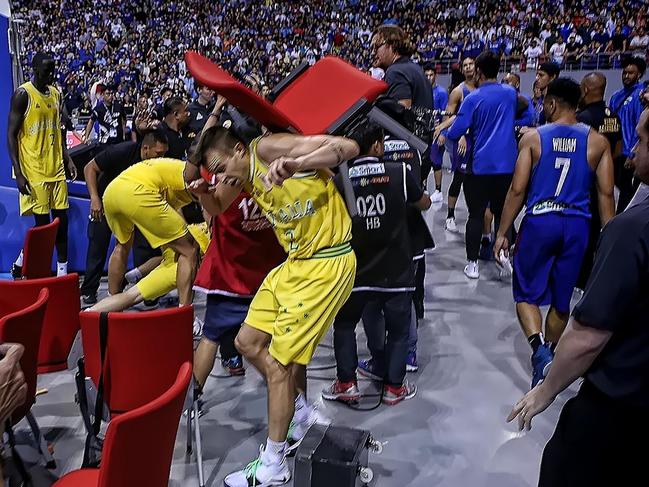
{"x":178,"y":142}
{"x":616,"y":299}
{"x":406,"y":80}
{"x":198,"y":115}
{"x":602,"y":119}
{"x":114,"y":159}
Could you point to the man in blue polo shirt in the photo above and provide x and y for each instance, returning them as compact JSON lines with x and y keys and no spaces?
{"x":626,"y":104}
{"x":489,"y":112}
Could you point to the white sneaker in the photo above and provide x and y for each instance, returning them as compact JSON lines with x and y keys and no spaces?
{"x":437,"y":196}
{"x":506,"y":270}
{"x":472,"y":271}
{"x":259,"y":474}
{"x":450,"y":225}
{"x":297,"y":432}
{"x":197,"y":328}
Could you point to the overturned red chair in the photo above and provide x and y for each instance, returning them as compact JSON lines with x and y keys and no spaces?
{"x":154,"y":344}
{"x":139,"y":444}
{"x":38,"y":250}
{"x":24,"y":326}
{"x":61,"y":322}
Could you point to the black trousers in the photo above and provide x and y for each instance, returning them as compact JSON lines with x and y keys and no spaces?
{"x":625,"y":183}
{"x":598,"y":442}
{"x":391,"y":361}
{"x":419,"y":294}
{"x":99,"y":235}
{"x":480,"y":192}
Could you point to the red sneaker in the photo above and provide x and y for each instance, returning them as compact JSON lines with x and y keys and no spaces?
{"x":393,"y":395}
{"x":341,"y":391}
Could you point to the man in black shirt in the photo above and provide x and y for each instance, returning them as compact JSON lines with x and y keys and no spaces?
{"x":98,"y":173}
{"x":176,"y":118}
{"x":111,"y":118}
{"x":598,"y":440}
{"x":199,"y":111}
{"x":384,"y":272}
{"x":595,"y":113}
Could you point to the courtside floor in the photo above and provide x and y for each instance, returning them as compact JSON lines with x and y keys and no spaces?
{"x":474,"y":365}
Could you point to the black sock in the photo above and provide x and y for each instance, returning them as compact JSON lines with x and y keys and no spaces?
{"x":535,"y":341}
{"x":451,"y":213}
{"x":438,"y":187}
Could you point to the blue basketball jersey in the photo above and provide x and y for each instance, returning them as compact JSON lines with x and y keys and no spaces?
{"x":562,"y":178}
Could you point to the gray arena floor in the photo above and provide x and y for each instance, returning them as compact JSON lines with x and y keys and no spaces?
{"x":474,"y":364}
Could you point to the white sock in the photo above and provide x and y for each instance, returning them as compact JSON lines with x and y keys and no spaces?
{"x":273,"y":454}
{"x":19,"y":260}
{"x":486,"y":236}
{"x":61,"y":269}
{"x":302,"y":409}
{"x":133,"y":276}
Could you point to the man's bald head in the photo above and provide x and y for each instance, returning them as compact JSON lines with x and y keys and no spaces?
{"x":593,"y":87}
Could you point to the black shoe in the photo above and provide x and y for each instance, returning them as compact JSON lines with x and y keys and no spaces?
{"x":16,"y":271}
{"x":89,"y":299}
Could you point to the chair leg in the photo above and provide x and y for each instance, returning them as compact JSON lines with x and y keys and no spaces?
{"x":199,"y":447}
{"x":41,"y":444}
{"x":189,"y":431}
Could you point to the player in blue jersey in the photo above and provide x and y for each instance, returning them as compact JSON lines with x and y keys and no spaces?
{"x":555,"y":168}
{"x":440,"y":100}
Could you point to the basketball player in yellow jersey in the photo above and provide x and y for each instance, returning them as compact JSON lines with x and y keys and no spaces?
{"x":298,"y":301}
{"x":148,"y":196}
{"x":38,"y":150}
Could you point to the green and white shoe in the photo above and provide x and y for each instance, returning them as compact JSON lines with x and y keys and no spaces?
{"x":259,"y":474}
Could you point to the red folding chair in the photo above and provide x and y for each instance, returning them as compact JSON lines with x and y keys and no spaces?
{"x":38,"y":251}
{"x":24,"y":327}
{"x":143,"y":353}
{"x":61,"y":322}
{"x":139,"y":444}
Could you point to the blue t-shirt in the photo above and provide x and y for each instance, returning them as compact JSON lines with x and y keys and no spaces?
{"x":528,"y":117}
{"x":489,"y":113}
{"x":562,"y":178}
{"x":626,"y":104}
{"x":440,"y":98}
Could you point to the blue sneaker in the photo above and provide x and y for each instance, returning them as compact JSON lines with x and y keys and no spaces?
{"x":234,"y":366}
{"x":367,"y":368}
{"x":541,"y":361}
{"x":411,"y":362}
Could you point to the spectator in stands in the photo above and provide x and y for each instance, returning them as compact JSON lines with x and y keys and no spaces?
{"x":639,"y":42}
{"x":110,"y":118}
{"x":532,"y":54}
{"x":558,"y":51}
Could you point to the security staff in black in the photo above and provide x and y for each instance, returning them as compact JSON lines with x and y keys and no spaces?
{"x":199,"y":111}
{"x":384,"y":272}
{"x":594,"y":112}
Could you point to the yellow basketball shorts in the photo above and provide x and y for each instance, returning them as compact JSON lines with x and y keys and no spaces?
{"x":160,"y":280}
{"x":44,"y":197}
{"x":128,"y":204}
{"x":298,"y":301}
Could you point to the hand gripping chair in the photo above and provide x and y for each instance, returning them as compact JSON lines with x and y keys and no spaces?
{"x":38,"y":250}
{"x":143,"y":351}
{"x":326,"y":98}
{"x":139,"y":444}
{"x":24,"y":326}
{"x":61,"y":317}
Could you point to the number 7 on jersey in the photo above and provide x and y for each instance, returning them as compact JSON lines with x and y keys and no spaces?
{"x":562,"y":163}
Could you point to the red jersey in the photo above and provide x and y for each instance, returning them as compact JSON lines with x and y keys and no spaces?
{"x":241,"y":253}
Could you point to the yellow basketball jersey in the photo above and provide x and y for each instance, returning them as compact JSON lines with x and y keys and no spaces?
{"x":162,"y":175}
{"x":40,"y":149}
{"x":307,"y":213}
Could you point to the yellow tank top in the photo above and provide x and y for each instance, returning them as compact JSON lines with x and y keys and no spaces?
{"x":162,"y":175}
{"x":40,"y":149}
{"x":307,"y":213}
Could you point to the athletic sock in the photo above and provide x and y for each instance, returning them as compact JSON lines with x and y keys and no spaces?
{"x":535,"y":341}
{"x":438,"y":187}
{"x":274,"y":452}
{"x":301,"y":409}
{"x":19,"y":260}
{"x":451,"y":213}
{"x":61,"y":269}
